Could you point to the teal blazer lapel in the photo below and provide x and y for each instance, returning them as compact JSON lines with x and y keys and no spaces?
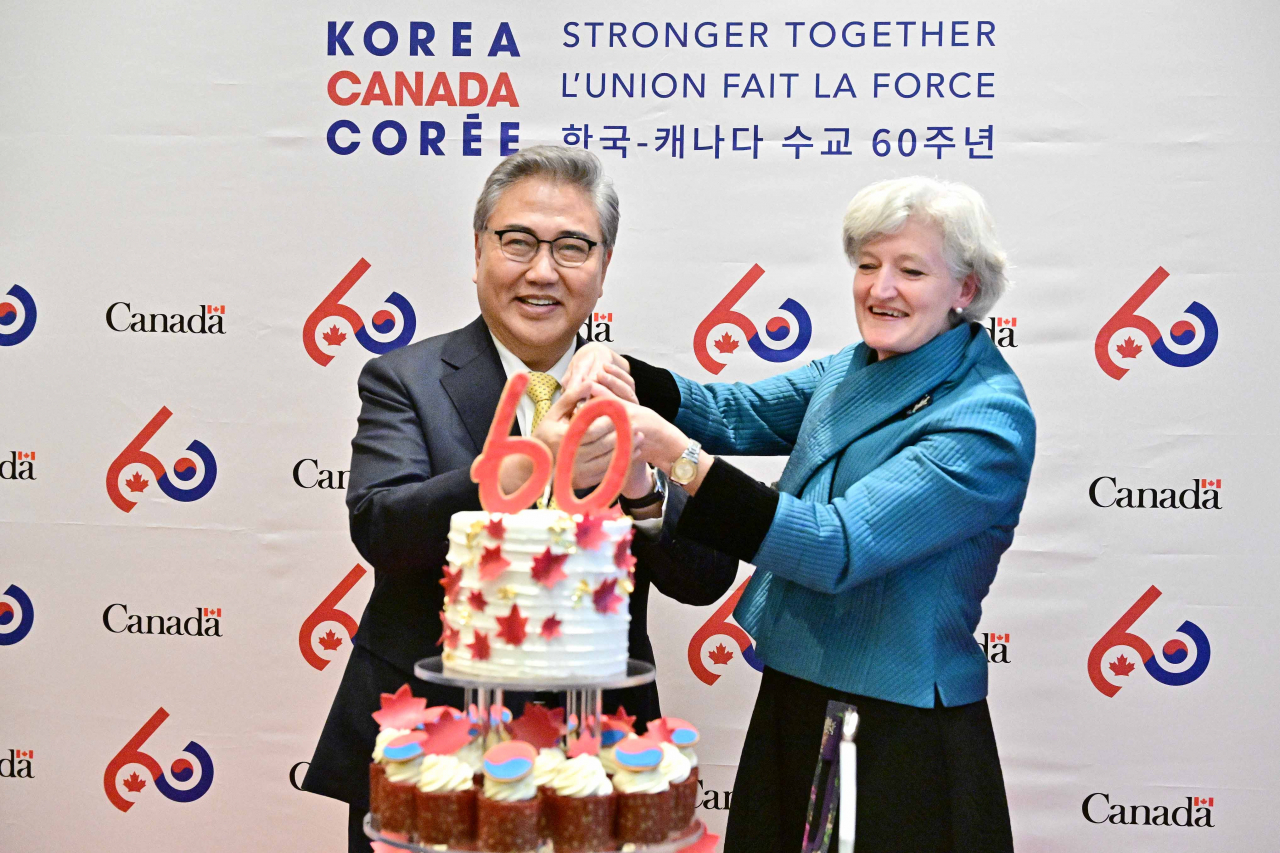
{"x":867,"y":396}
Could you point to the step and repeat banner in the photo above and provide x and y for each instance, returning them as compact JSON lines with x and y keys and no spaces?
{"x":215,"y":214}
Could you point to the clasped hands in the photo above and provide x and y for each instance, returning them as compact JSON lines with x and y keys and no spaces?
{"x":597,"y":371}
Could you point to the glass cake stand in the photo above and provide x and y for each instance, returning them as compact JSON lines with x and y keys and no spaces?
{"x":582,"y":703}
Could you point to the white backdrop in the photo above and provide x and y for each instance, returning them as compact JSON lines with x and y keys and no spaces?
{"x":176,"y":158}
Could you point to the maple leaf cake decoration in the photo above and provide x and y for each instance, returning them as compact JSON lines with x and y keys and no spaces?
{"x":496,"y":529}
{"x":401,"y":710}
{"x":447,"y":734}
{"x":492,"y":563}
{"x":511,"y":628}
{"x":548,"y":568}
{"x":550,"y":627}
{"x":477,"y":601}
{"x":590,"y":532}
{"x":451,"y":583}
{"x":622,"y":556}
{"x":449,"y":636}
{"x":329,"y":641}
{"x":479,"y":646}
{"x":539,"y":726}
{"x":725,"y":343}
{"x":586,"y":744}
{"x":605,"y":598}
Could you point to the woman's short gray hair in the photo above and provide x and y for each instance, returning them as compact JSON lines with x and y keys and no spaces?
{"x":559,"y":164}
{"x":968,"y":231}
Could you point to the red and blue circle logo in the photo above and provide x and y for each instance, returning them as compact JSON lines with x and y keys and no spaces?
{"x":17,"y":316}
{"x":16,"y":615}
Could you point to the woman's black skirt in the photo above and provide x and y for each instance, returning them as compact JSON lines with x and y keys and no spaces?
{"x":929,"y":779}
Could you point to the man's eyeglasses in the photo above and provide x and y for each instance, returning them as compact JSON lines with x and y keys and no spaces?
{"x":522,"y":246}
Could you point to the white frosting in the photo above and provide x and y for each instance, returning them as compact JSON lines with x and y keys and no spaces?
{"x":642,"y":782}
{"x":472,"y":755}
{"x":675,"y":767}
{"x":690,"y":755}
{"x":581,"y":776}
{"x":590,"y":644}
{"x":544,"y":767}
{"x":523,"y":788}
{"x":385,"y":737}
{"x":404,"y":771}
{"x":444,"y":773}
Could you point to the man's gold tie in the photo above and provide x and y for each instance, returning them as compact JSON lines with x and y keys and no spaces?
{"x":541,"y":387}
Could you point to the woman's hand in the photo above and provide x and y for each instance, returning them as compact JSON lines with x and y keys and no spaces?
{"x":588,"y":364}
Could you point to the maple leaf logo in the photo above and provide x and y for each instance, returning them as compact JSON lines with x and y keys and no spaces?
{"x":134,"y":783}
{"x":136,"y":484}
{"x":548,"y":568}
{"x":479,"y":646}
{"x":725,"y":344}
{"x":550,"y":627}
{"x":605,"y":599}
{"x":1128,"y":349}
{"x":590,"y":532}
{"x":1121,"y":666}
{"x":492,"y":563}
{"x":333,"y":337}
{"x":511,"y":628}
{"x":330,"y":641}
{"x":477,"y":601}
{"x":720,"y":655}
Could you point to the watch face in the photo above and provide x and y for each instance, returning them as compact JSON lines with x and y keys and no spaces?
{"x":682,"y":471}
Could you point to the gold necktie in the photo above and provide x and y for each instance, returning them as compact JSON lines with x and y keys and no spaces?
{"x":541,"y":387}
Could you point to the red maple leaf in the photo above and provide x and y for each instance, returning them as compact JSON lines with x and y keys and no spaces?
{"x":480,"y":646}
{"x":134,"y":783}
{"x":492,"y":563}
{"x":622,"y":556}
{"x":477,"y":601}
{"x":725,"y":344}
{"x":548,"y":568}
{"x":333,"y":337}
{"x":511,"y":628}
{"x":606,"y":600}
{"x":584,"y":744}
{"x":330,"y":641}
{"x":550,"y":627}
{"x":448,"y":636}
{"x":496,"y":529}
{"x":451,"y":580}
{"x":136,"y":484}
{"x":720,"y":655}
{"x":1128,"y":349}
{"x":447,"y":734}
{"x":1121,"y":666}
{"x":538,"y":725}
{"x":590,"y":532}
{"x":620,"y":721}
{"x":401,"y":710}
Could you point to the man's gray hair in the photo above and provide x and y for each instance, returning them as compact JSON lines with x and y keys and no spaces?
{"x":968,"y":231}
{"x":575,"y":166}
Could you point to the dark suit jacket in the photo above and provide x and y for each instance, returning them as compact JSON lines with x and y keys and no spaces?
{"x":426,"y":409}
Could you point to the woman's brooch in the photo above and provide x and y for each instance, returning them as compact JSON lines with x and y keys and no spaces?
{"x":920,"y":404}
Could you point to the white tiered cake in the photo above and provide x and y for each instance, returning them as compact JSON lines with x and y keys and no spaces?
{"x":537,"y":594}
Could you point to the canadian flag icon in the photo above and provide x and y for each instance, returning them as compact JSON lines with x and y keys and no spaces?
{"x":213,"y":611}
{"x":216,"y":309}
{"x":25,"y":753}
{"x":1000,"y":638}
{"x":31,"y":455}
{"x":1211,"y":484}
{"x":1204,"y":801}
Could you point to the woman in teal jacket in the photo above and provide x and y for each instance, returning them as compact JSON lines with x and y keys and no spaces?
{"x":909,"y":460}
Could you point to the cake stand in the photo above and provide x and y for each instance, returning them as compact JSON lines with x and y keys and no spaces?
{"x":582,"y":703}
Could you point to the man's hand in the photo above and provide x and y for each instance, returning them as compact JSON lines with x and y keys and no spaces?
{"x":597,"y":446}
{"x":588,"y":364}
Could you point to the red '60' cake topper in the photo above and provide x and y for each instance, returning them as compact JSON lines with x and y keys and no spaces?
{"x":500,"y":444}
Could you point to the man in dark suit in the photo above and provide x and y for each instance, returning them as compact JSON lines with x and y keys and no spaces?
{"x":426,"y":409}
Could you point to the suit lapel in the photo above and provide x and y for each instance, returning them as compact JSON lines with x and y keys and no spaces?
{"x":475,"y":384}
{"x":869,"y":395}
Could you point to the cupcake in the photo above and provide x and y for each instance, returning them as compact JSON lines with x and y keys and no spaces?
{"x":580,"y":806}
{"x":542,"y":728}
{"x":403,"y":767}
{"x":544,"y":769}
{"x":445,"y":803}
{"x":399,"y":715}
{"x":644,"y":795}
{"x":681,"y":736}
{"x":377,"y":769}
{"x":507,"y":810}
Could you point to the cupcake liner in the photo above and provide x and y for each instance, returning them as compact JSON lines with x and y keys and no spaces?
{"x":510,"y":827}
{"x":580,"y":824}
{"x":684,"y":801}
{"x":445,"y":817}
{"x":397,"y":812}
{"x":377,"y":776}
{"x":644,"y":818}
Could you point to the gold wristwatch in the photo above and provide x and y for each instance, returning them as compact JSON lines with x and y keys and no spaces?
{"x":684,"y":469}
